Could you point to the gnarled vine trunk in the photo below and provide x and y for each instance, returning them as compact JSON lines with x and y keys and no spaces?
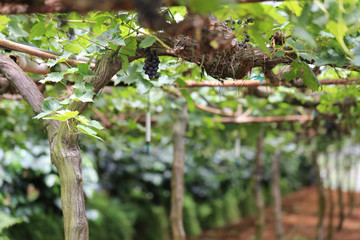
{"x":177,"y":180}
{"x":65,"y":153}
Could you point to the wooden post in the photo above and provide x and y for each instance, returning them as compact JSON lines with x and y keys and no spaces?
{"x":260,"y":216}
{"x":276,"y":192}
{"x":177,"y":180}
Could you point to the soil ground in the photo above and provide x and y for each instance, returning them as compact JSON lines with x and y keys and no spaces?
{"x":300,"y":219}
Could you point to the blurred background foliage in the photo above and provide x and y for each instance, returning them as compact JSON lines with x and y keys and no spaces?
{"x":128,"y":190}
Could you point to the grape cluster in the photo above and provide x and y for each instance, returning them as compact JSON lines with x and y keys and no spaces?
{"x":246,"y":40}
{"x":151,"y":63}
{"x":244,"y":24}
{"x":240,"y":22}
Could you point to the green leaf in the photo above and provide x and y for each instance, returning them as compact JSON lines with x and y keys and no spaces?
{"x":53,"y":77}
{"x":71,"y":47}
{"x":279,"y":53}
{"x":303,"y":34}
{"x":259,"y":40}
{"x":16,"y":31}
{"x":88,"y":131}
{"x":83,"y":92}
{"x":3,"y":20}
{"x":83,"y":68}
{"x":301,"y":69}
{"x":87,"y":122}
{"x":96,"y":124}
{"x":130,"y":49}
{"x":83,"y":120}
{"x":65,"y":101}
{"x":143,"y":86}
{"x":339,"y":30}
{"x":125,"y":62}
{"x":63,"y":115}
{"x":62,"y":58}
{"x":37,"y":30}
{"x":49,"y":106}
{"x":147,"y":42}
{"x":7,"y":221}
{"x":188,"y":98}
{"x":309,"y":77}
{"x":294,"y":7}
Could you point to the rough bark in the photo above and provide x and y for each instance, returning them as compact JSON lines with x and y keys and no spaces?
{"x":64,"y":150}
{"x":276,"y":192}
{"x":260,"y":215}
{"x":321,"y":198}
{"x":177,"y":180}
{"x":65,"y":155}
{"x":26,"y":87}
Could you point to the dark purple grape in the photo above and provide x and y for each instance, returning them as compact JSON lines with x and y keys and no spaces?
{"x":233,"y":22}
{"x":233,"y":28}
{"x":156,"y":75}
{"x":227,"y":20}
{"x":239,"y":22}
{"x":151,"y":63}
{"x":245,"y":45}
{"x":250,"y":20}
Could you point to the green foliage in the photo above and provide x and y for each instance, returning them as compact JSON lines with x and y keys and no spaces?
{"x":108,"y":220}
{"x":191,"y":222}
{"x":301,"y":69}
{"x":40,"y":226}
{"x":231,"y":209}
{"x":151,"y":222}
{"x":216,"y":218}
{"x":7,"y":221}
{"x":147,"y":42}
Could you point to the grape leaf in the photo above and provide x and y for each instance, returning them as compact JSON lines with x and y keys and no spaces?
{"x":37,"y":30}
{"x":53,"y":77}
{"x":49,"y":106}
{"x":83,"y":68}
{"x":63,"y":115}
{"x":3,"y":21}
{"x":188,"y":98}
{"x":301,"y":69}
{"x":131,"y":46}
{"x":83,"y":92}
{"x":147,"y":42}
{"x":88,"y":131}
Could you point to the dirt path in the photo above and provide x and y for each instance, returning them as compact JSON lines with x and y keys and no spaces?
{"x":299,"y":219}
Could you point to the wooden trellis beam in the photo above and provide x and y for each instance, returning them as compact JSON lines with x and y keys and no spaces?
{"x":258,"y":83}
{"x":291,"y":118}
{"x":43,"y":6}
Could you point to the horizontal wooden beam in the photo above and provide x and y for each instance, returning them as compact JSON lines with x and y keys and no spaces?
{"x":258,"y":83}
{"x":291,"y":118}
{"x":43,"y":6}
